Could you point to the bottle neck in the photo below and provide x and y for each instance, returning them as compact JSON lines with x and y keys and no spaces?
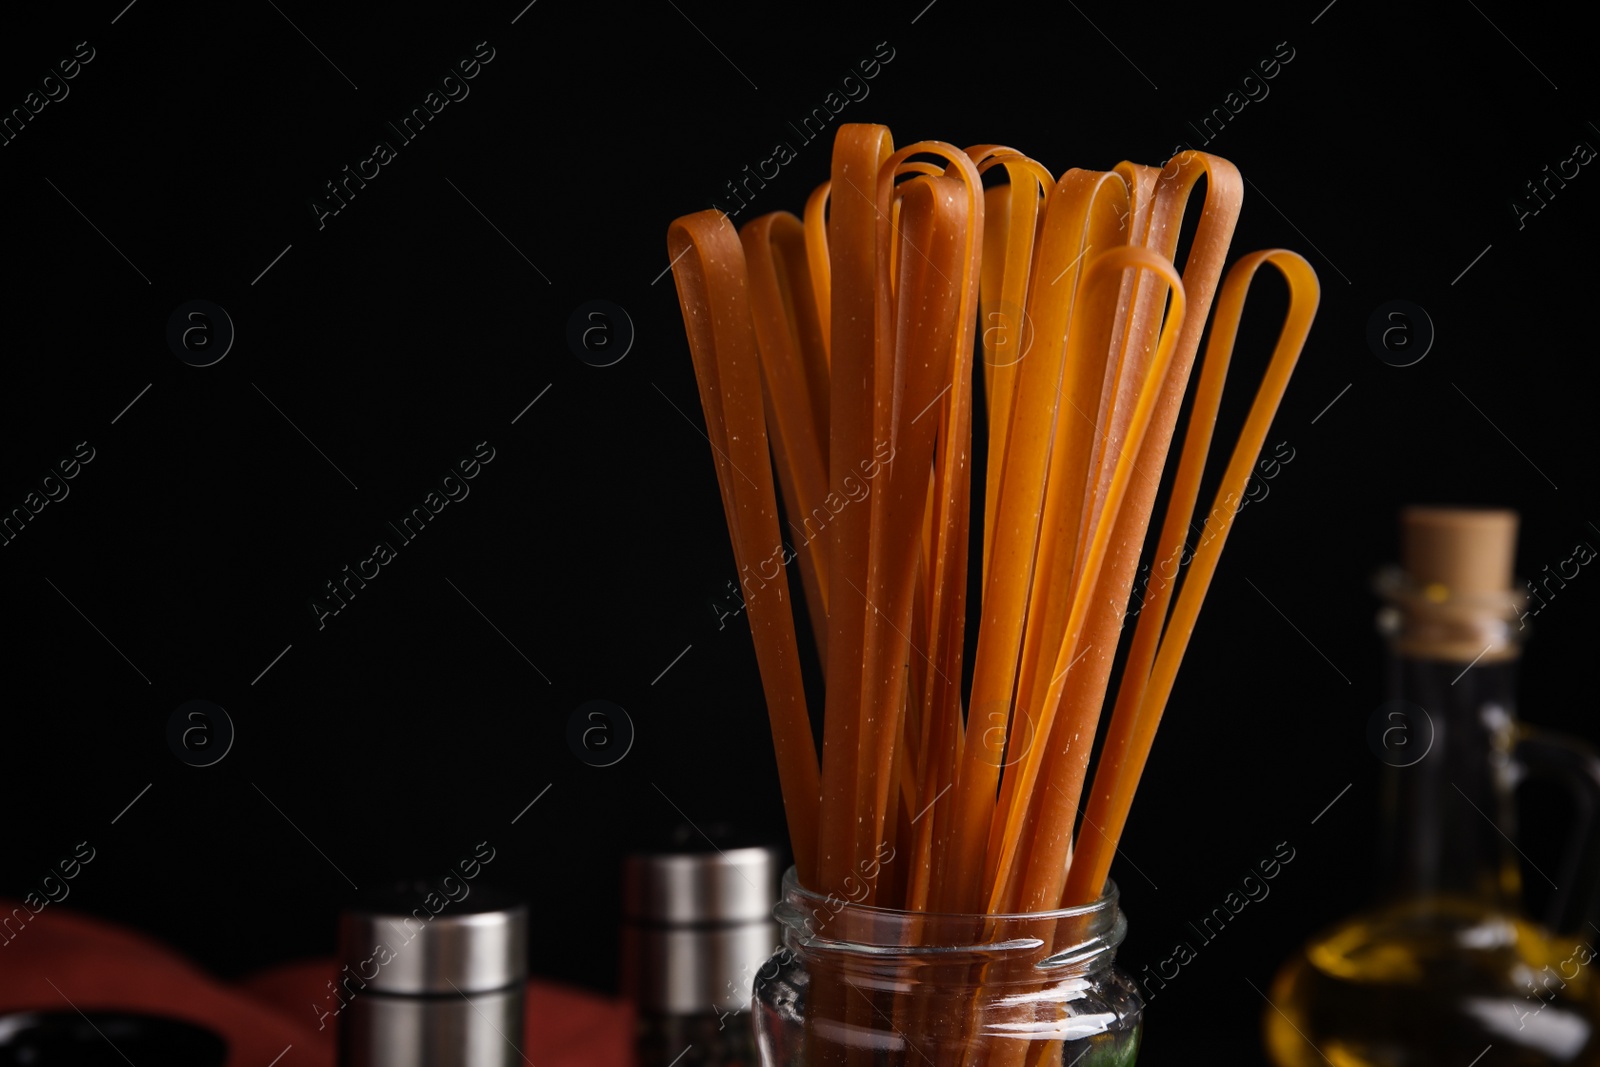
{"x":1448,"y":814}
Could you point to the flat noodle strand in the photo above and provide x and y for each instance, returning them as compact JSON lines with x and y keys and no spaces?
{"x":1109,"y":806}
{"x":710,"y":275}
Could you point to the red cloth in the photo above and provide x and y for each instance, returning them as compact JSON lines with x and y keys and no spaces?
{"x":63,"y":959}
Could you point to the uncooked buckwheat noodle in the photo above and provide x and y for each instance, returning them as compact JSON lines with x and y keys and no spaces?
{"x":839,"y":348}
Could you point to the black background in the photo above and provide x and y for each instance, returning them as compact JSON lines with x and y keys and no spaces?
{"x":411,"y":327}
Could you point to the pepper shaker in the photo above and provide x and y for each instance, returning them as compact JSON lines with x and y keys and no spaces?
{"x":431,"y":981}
{"x":697,"y":927}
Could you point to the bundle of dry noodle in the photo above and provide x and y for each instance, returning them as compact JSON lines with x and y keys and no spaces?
{"x":838,"y":349}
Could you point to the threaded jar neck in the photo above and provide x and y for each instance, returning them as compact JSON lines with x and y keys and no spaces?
{"x":1023,"y":948}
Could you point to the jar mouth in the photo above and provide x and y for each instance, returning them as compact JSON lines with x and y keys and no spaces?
{"x":793,"y":890}
{"x":1064,"y":941}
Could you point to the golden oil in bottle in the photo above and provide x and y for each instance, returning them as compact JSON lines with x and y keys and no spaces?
{"x":1442,"y":981}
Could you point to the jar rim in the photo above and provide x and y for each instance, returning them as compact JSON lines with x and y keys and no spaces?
{"x":1064,"y":942}
{"x":1106,"y":901}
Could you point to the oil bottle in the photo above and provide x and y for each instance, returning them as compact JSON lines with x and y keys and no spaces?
{"x":1447,"y":969}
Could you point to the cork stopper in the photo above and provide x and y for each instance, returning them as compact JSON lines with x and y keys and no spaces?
{"x":1453,"y":597}
{"x":1468,"y":552}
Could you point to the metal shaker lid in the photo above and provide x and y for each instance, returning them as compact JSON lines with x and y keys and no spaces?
{"x":701,"y":886}
{"x":414,"y":938}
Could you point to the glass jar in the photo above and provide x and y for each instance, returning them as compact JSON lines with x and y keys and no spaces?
{"x":853,"y":985}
